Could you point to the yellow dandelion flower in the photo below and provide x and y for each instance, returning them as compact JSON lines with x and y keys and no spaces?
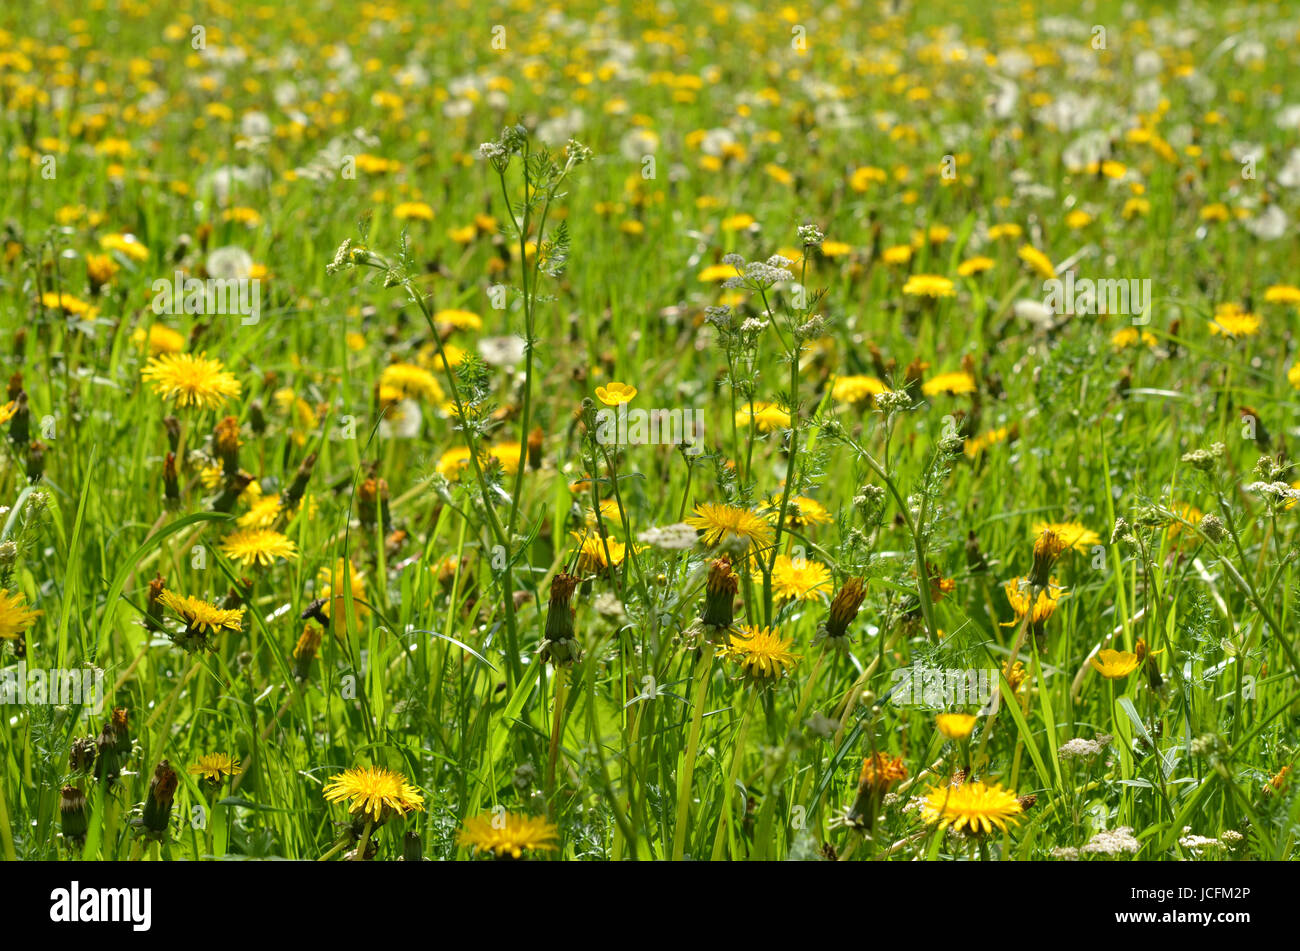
{"x":1231,"y":321}
{"x":971,"y":807}
{"x":978,"y":444}
{"x":797,"y":579}
{"x":718,"y":272}
{"x":258,"y":546}
{"x":897,"y":254}
{"x":761,"y":653}
{"x":190,"y":380}
{"x":202,"y":615}
{"x":717,"y":521}
{"x":411,"y":381}
{"x":413,"y":211}
{"x":1131,"y":337}
{"x":508,"y":834}
{"x":956,"y":384}
{"x":459,"y":319}
{"x":1006,"y":230}
{"x":1039,"y":262}
{"x":126,"y":245}
{"x":856,"y":389}
{"x":1074,"y":534}
{"x":216,"y":766}
{"x":1282,"y":294}
{"x":15,"y":616}
{"x":928,"y":285}
{"x":766,"y":416}
{"x":975,"y":265}
{"x":1018,"y":590}
{"x":375,"y":792}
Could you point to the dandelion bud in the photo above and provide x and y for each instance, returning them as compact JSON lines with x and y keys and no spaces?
{"x":257,"y":418}
{"x":36,"y":461}
{"x":158,"y":805}
{"x":720,"y":595}
{"x":372,"y":503}
{"x":234,"y":487}
{"x":879,"y":772}
{"x":15,"y":386}
{"x":171,"y":483}
{"x":305,"y":651}
{"x":72,"y":815}
{"x":81,"y":756}
{"x":20,"y":424}
{"x":975,"y":560}
{"x":173,"y":427}
{"x":535,"y":448}
{"x":844,"y":608}
{"x":412,"y":847}
{"x":559,"y":646}
{"x":225,"y":441}
{"x":1046,"y":550}
{"x":121,"y":730}
{"x":293,"y":495}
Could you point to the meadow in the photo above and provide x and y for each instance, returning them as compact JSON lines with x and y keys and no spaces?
{"x":847,"y":431}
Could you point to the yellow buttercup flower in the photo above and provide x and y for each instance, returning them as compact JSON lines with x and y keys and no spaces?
{"x":1114,"y":665}
{"x":616,"y":393}
{"x":955,"y":726}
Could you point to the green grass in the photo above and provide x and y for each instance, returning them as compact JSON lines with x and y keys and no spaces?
{"x":114,"y":123}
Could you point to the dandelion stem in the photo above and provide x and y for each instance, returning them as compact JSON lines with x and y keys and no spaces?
{"x":703,"y":667}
